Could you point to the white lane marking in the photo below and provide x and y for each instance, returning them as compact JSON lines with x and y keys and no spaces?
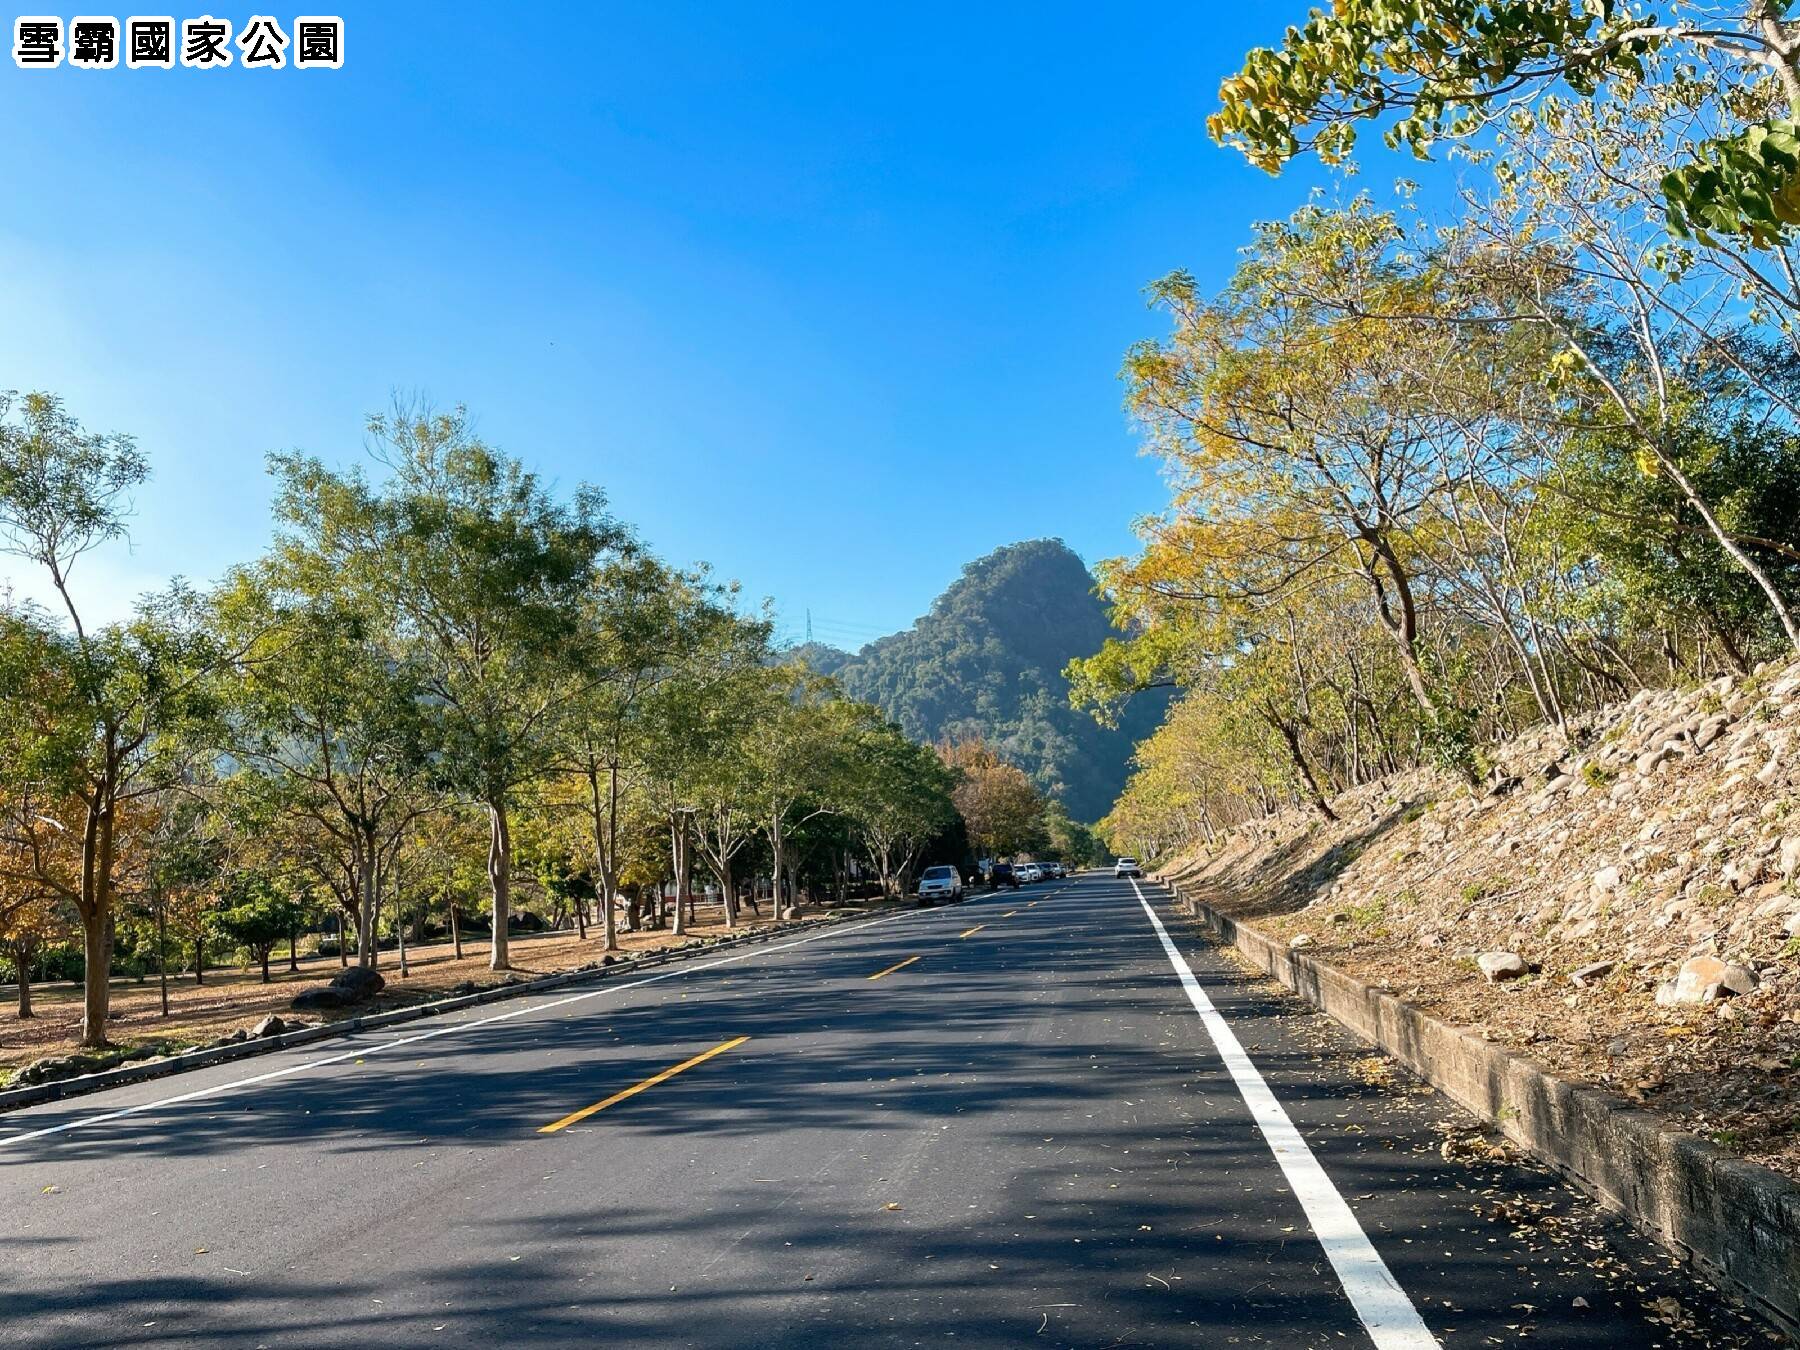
{"x":1392,"y":1321}
{"x":364,"y":1050}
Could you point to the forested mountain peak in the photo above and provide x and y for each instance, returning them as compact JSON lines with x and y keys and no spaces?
{"x":987,"y":659}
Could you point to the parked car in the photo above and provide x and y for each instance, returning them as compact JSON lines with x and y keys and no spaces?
{"x":1029,"y":873}
{"x":1127,"y":867}
{"x":940,"y":885}
{"x":1053,"y":871}
{"x":1002,"y":874}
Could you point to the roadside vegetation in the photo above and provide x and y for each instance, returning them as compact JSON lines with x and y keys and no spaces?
{"x":1479,"y":581}
{"x":446,"y":705}
{"x":1441,"y":476}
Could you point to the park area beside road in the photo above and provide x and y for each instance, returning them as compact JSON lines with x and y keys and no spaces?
{"x":230,"y":999}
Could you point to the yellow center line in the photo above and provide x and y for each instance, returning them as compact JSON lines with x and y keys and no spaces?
{"x":976,"y":929}
{"x":891,"y":969}
{"x":636,"y":1088}
{"x":1009,"y":913}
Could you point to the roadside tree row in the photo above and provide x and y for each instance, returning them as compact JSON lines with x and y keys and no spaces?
{"x":442,"y":686}
{"x":1437,"y":477}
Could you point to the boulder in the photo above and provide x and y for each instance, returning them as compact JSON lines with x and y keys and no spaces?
{"x":318,"y":1000}
{"x":358,"y":982}
{"x":1790,"y":855}
{"x":1300,"y":940}
{"x":1710,"y":730}
{"x":1498,"y":966}
{"x":1706,"y":979}
{"x":1605,"y":881}
{"x":1592,"y":973}
{"x":272,"y":1025}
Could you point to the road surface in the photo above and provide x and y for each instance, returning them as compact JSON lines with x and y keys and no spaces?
{"x":1039,"y":1118}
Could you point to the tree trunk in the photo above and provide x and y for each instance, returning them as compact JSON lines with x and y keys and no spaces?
{"x":96,"y":950}
{"x":294,"y":949}
{"x":199,"y":957}
{"x":499,"y":881}
{"x":22,"y":960}
{"x":776,"y":847}
{"x":727,"y":896}
{"x":678,"y":846}
{"x":265,"y":963}
{"x":367,"y":916}
{"x":400,"y":933}
{"x":455,"y":932}
{"x":96,"y":921}
{"x":1290,"y":735}
{"x":609,"y":863}
{"x":162,"y":953}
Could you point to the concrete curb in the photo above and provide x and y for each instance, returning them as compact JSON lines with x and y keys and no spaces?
{"x":1738,"y":1223}
{"x":13,"y":1099}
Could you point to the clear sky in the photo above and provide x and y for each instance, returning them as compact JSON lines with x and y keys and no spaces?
{"x":833,"y":297}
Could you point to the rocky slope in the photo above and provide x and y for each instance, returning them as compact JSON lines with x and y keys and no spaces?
{"x":1625,"y":906}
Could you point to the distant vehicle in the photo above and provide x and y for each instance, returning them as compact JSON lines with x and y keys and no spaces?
{"x":1029,"y":873}
{"x":1002,"y":874}
{"x":1127,"y":867}
{"x":1053,"y":871}
{"x":942,"y":884}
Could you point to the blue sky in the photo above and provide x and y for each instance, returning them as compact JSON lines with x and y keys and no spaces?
{"x":833,"y":298}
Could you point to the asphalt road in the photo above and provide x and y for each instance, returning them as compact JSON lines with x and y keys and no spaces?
{"x":1032,"y":1129}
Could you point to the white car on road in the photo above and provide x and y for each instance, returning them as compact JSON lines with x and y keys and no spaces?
{"x":941,"y":883}
{"x":1127,"y":867}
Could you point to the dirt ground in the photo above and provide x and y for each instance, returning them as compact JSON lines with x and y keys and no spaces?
{"x":233,"y":998}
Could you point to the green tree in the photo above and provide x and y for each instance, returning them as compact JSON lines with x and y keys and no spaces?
{"x":690,"y":755}
{"x":328,"y":722}
{"x":1307,"y":438}
{"x":794,"y":751}
{"x":486,"y":572}
{"x":257,"y":914}
{"x":98,"y":714}
{"x":898,"y":796}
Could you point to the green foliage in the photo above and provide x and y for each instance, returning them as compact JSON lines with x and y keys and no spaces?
{"x":257,"y":913}
{"x":1447,"y":68}
{"x":1663,"y":567}
{"x":987,"y":663}
{"x":1744,"y":186}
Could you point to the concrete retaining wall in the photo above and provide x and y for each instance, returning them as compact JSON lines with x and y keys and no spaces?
{"x":1737,"y":1222}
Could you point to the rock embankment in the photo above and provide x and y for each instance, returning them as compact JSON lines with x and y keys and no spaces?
{"x":1625,"y":903}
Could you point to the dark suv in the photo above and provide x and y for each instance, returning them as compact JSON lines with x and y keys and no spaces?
{"x":1002,"y":875}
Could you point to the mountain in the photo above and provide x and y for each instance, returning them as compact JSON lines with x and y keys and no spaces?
{"x":987,"y":660}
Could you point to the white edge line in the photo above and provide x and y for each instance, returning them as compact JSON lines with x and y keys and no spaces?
{"x":376,"y":1049}
{"x":1393,"y":1323}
